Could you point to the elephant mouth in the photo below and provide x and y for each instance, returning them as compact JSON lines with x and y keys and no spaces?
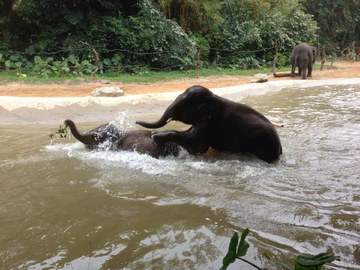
{"x":169,"y":120}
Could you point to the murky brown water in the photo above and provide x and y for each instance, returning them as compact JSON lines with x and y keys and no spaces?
{"x":63,"y":207}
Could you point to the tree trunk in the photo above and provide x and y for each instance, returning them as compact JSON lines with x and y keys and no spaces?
{"x":7,"y":8}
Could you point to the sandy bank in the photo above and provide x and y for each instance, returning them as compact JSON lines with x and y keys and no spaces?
{"x":38,"y":110}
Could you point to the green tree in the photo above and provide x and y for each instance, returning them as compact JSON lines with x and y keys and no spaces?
{"x":338,"y":21}
{"x":193,"y":15}
{"x":254,"y":25}
{"x":157,"y":41}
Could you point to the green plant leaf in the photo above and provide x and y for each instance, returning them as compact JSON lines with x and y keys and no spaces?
{"x":305,"y":262}
{"x":107,"y":62}
{"x":14,"y":58}
{"x":30,"y":49}
{"x":62,"y":132}
{"x":243,"y":245}
{"x":72,"y":59}
{"x":37,"y":60}
{"x":231,"y":255}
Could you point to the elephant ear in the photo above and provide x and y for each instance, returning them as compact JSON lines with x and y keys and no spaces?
{"x":207,"y":110}
{"x":314,"y":51}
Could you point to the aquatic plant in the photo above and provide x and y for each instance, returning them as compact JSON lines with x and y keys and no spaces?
{"x":303,"y":262}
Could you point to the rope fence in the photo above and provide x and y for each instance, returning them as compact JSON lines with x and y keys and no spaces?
{"x":128,"y":51}
{"x":98,"y":50}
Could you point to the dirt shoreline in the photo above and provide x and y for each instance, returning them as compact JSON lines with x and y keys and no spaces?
{"x":346,"y":70}
{"x":52,"y":104}
{"x":54,"y":110}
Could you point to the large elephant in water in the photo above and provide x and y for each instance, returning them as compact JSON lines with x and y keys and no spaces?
{"x":116,"y":139}
{"x":303,"y":56}
{"x":218,"y":123}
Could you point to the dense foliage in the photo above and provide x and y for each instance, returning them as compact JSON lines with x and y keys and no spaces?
{"x":165,"y":34}
{"x":338,"y":21}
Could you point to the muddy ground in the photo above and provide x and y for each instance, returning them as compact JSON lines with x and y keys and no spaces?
{"x":83,"y":89}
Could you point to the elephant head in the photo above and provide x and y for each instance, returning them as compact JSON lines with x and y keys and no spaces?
{"x":196,"y":105}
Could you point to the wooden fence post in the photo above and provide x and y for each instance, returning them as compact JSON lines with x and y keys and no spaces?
{"x":352,"y":52}
{"x":96,"y":57}
{"x":197,"y":64}
{"x":322,"y":58}
{"x":276,"y":55}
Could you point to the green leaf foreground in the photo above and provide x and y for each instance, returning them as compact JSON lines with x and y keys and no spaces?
{"x":241,"y":250}
{"x":302,"y":262}
{"x":315,"y":262}
{"x":62,"y":132}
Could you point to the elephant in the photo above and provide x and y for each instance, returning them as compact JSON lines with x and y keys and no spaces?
{"x":303,"y":56}
{"x":132,"y":140}
{"x":218,"y":123}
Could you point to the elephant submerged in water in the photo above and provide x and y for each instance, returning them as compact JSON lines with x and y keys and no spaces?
{"x":303,"y":56}
{"x":132,"y":140}
{"x":218,"y":123}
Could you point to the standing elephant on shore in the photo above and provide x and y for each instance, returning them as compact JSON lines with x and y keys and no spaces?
{"x":303,"y":56}
{"x":116,"y":139}
{"x":219,"y":123}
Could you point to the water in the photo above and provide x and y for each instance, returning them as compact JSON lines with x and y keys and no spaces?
{"x":64,"y":207}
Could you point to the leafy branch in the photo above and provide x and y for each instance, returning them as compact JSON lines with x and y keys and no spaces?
{"x":62,"y":132}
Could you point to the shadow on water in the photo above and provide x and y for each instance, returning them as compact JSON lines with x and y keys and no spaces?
{"x":62,"y":206}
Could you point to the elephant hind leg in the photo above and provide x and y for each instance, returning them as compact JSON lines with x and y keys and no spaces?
{"x":293,"y":67}
{"x":268,"y":148}
{"x":303,"y":73}
{"x":309,"y":71}
{"x":193,"y":139}
{"x":268,"y":156}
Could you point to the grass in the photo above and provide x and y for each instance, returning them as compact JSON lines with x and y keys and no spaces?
{"x":144,"y":76}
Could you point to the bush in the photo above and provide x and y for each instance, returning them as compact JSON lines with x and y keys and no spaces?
{"x":284,"y":59}
{"x":148,"y":38}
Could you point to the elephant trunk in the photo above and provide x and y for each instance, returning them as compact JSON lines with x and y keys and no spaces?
{"x":165,"y":118}
{"x":82,"y":137}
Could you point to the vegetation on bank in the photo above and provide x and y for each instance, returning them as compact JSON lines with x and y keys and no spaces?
{"x":42,"y":37}
{"x":147,"y":76}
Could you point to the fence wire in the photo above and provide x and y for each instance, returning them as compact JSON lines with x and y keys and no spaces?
{"x":129,"y":51}
{"x":121,"y":67}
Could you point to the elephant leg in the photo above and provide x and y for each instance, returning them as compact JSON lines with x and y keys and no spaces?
{"x":293,"y":67}
{"x":293,"y":71}
{"x":267,"y":148}
{"x":309,"y":71}
{"x":303,"y":73}
{"x":193,"y":140}
{"x":299,"y":73}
